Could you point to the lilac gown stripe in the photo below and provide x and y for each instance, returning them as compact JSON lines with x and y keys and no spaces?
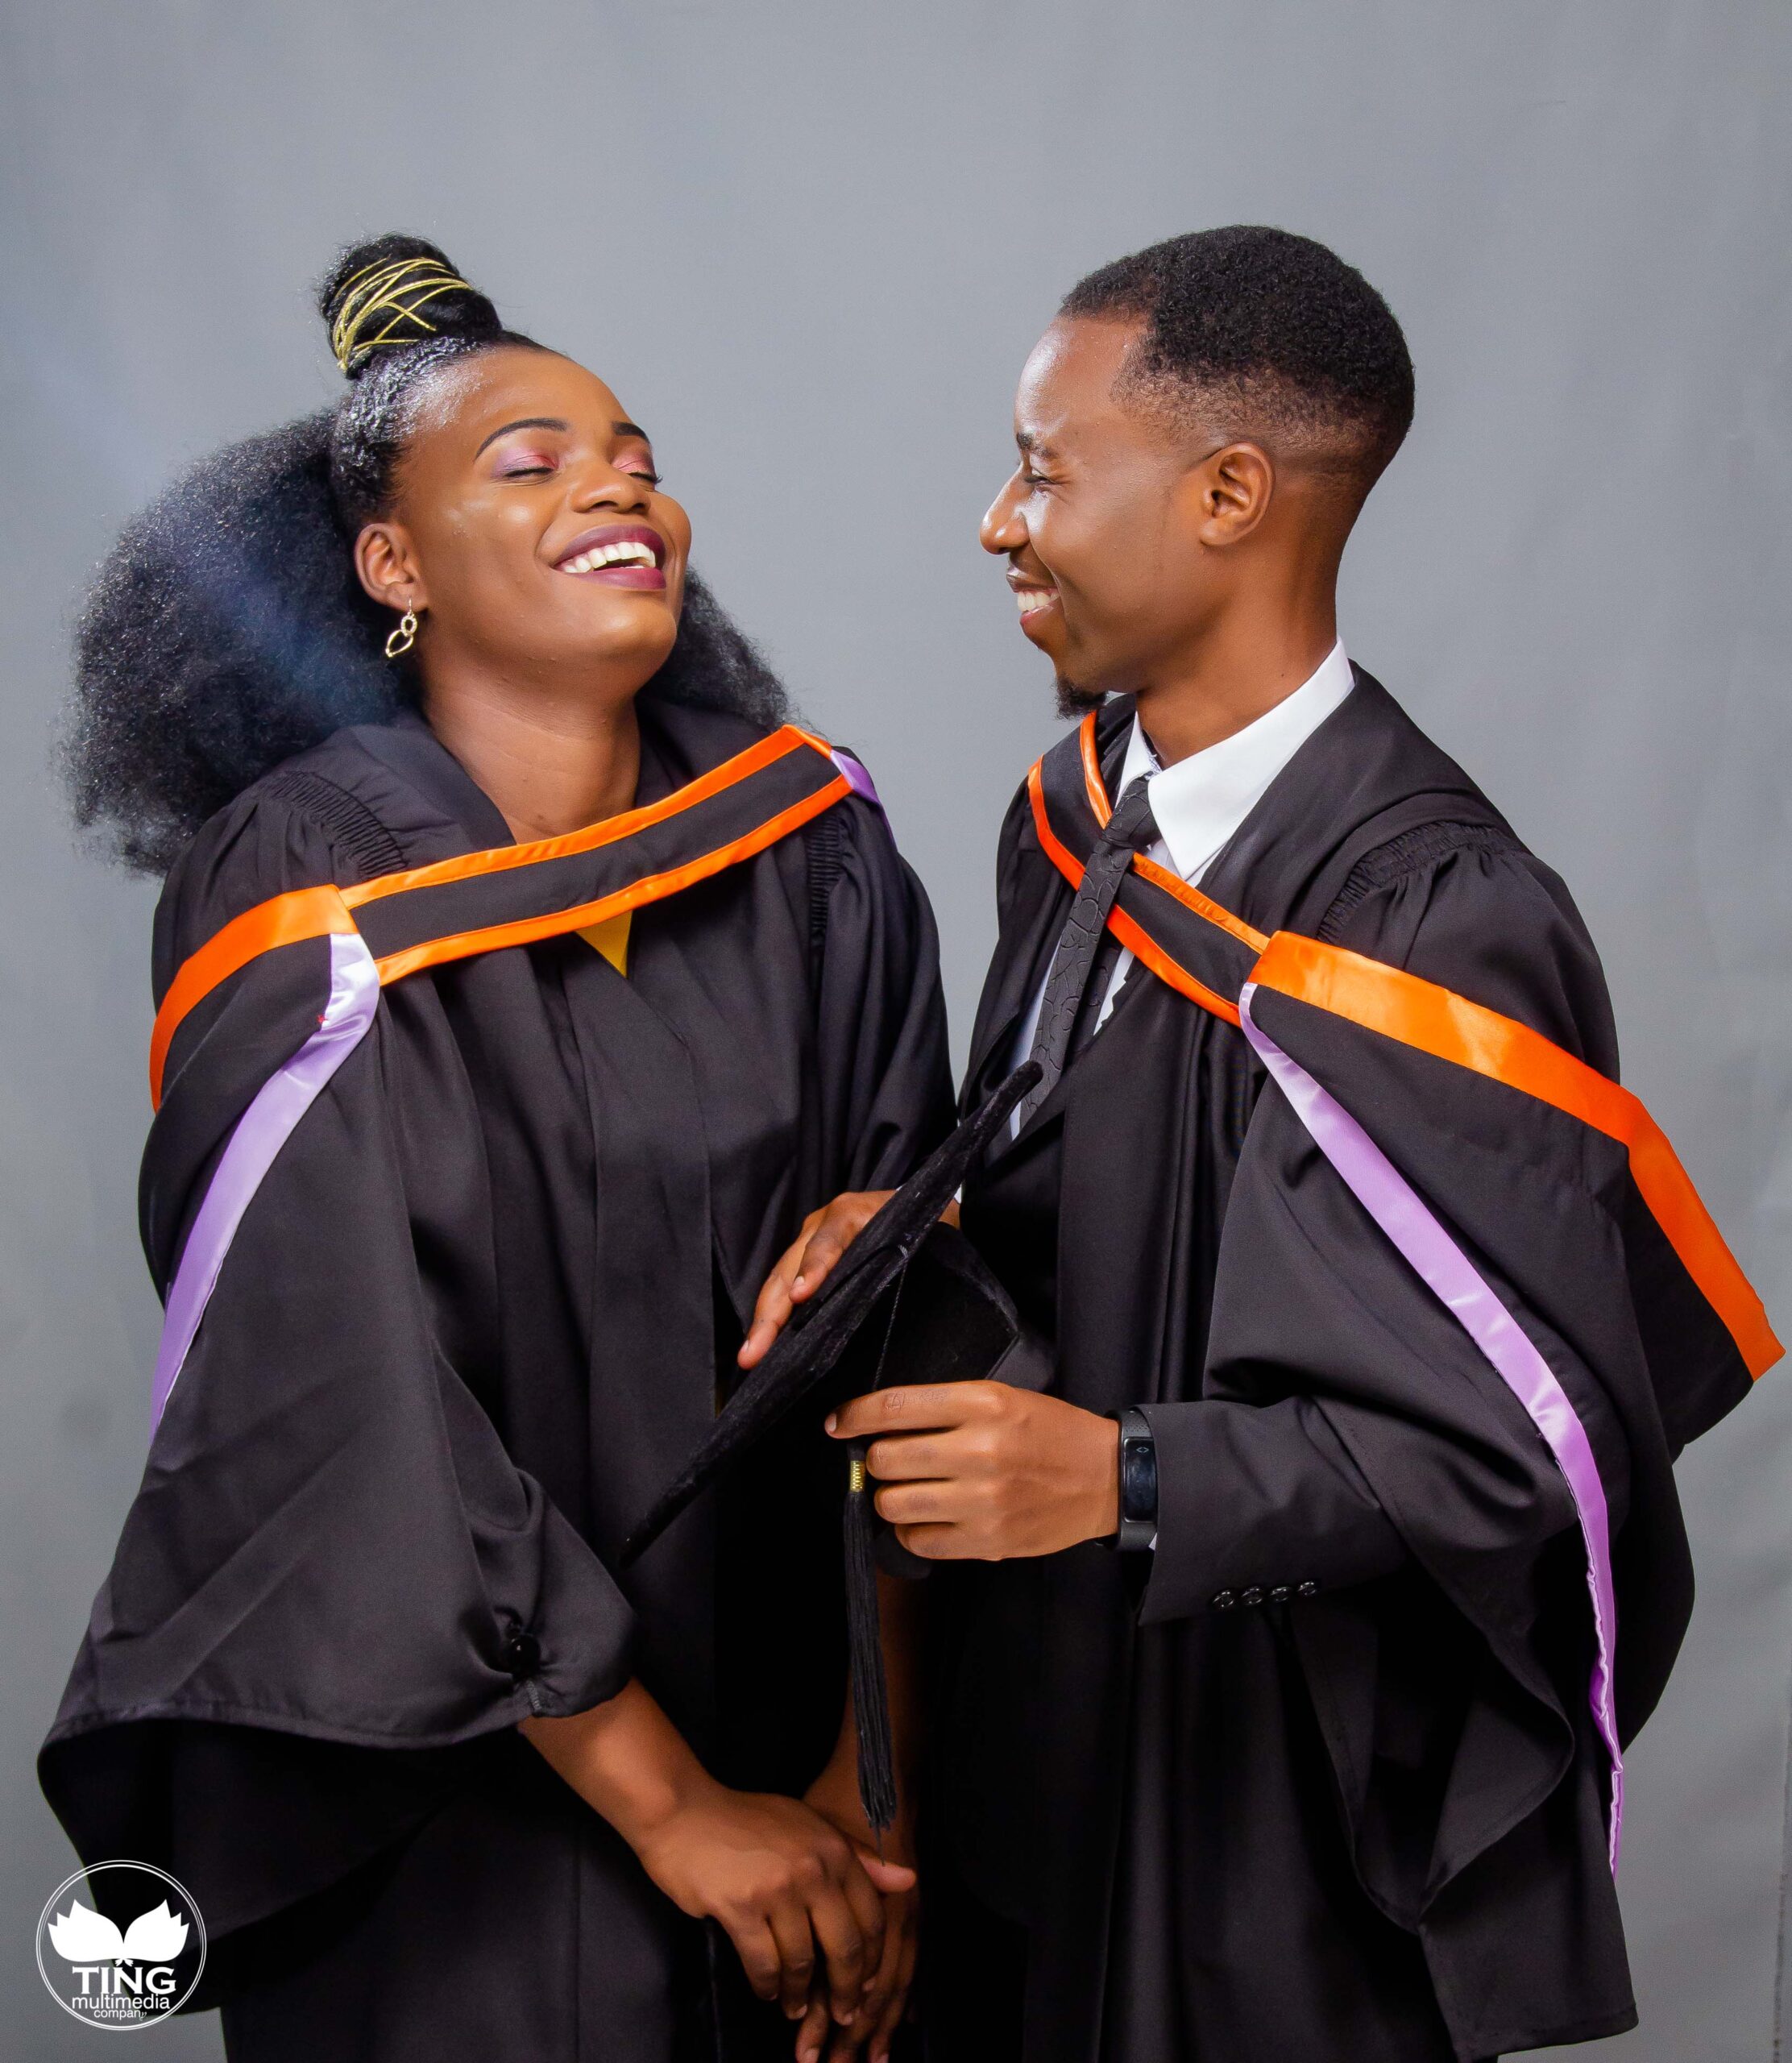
{"x":260,"y":1133}
{"x":859,"y":779}
{"x":1446,"y":1269}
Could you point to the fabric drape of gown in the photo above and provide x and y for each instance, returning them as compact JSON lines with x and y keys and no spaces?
{"x":1184,"y":1821}
{"x":482,"y":1307}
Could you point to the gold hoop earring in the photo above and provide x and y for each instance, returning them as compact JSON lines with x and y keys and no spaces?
{"x":403,"y":638}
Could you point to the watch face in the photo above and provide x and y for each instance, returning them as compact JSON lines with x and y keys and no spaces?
{"x":1138,"y":1479}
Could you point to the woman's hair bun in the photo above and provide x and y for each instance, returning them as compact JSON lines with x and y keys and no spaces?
{"x":397,"y":290}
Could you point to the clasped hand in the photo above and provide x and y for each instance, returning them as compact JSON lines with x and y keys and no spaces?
{"x":804,"y":1906}
{"x":824,"y":1923}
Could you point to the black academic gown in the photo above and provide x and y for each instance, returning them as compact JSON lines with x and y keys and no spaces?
{"x":484,"y":1305}
{"x":1177,"y":1818}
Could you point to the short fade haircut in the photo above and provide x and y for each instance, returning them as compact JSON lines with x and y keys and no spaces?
{"x":1256,"y":330}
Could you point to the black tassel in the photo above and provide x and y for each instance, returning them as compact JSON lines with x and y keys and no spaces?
{"x":865,"y":1652}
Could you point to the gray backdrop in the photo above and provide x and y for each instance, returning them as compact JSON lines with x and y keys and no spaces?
{"x":810,"y":245}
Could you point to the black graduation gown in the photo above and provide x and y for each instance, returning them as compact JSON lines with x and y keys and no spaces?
{"x":1366,"y":1822}
{"x":481,"y":1308}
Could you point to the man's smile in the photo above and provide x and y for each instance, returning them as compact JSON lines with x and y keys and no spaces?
{"x":1034,"y":598}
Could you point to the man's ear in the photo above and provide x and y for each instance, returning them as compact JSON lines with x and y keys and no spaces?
{"x":386,"y":560}
{"x":1230,"y":492}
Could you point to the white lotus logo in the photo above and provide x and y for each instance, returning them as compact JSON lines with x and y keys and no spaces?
{"x":80,"y":1936}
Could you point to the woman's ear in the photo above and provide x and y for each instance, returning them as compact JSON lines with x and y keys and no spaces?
{"x":386,"y":562}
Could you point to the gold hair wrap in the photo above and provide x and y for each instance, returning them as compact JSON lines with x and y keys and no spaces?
{"x":399,"y":292}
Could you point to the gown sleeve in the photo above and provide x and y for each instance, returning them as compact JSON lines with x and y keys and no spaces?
{"x":1258,"y":1500}
{"x":1357,"y":1457}
{"x":334,"y":1590}
{"x":881,"y":1013}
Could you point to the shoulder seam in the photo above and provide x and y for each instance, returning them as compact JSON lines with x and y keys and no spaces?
{"x":345,"y":819}
{"x":823,"y":850}
{"x":1409,"y":853}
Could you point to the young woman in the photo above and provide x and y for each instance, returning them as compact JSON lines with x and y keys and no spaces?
{"x":504,"y":1038}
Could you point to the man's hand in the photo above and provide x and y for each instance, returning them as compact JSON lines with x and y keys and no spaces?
{"x":808,"y":1261}
{"x":981,"y":1472}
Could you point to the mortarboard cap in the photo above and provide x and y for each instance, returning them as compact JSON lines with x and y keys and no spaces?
{"x":910,"y":1302}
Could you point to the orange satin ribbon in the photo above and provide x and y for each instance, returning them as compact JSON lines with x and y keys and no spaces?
{"x":1435,"y":1020}
{"x":301,"y":913}
{"x":654,"y":888}
{"x":499,"y":859}
{"x":309,"y":913}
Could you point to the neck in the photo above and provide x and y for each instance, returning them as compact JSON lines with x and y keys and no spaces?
{"x":1254,"y":655}
{"x":550,"y":765}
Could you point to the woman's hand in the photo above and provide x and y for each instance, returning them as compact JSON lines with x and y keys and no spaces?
{"x":835,"y":1795}
{"x":784,"y":1883}
{"x":808,"y":1261}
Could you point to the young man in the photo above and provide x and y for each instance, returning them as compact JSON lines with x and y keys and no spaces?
{"x":1263,"y":1717}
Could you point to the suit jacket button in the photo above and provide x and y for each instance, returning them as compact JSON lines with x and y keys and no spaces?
{"x":1224,"y":1601}
{"x":522,"y":1655}
{"x":1280,"y":1594}
{"x":1251,"y":1596}
{"x":1307,"y":1589}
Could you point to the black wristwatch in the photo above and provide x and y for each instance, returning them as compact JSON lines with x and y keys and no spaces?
{"x":1138,"y":1482}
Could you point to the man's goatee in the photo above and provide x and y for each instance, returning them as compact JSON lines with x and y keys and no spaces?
{"x":1075,"y":702}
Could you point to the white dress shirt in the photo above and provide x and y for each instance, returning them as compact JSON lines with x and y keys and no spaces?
{"x":1201,"y":801}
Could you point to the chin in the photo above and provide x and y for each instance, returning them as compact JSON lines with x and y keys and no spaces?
{"x":1075,"y":700}
{"x":644,"y":640}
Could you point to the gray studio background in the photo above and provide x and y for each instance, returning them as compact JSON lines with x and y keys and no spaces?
{"x":810,"y":245}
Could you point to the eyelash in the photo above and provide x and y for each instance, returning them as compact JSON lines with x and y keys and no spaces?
{"x":539,"y":472}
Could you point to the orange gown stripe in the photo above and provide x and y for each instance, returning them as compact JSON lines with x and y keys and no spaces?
{"x":1092,"y":771}
{"x":1191,"y":898}
{"x":1131,"y":934}
{"x":654,"y":888}
{"x":1147,"y":869}
{"x":499,"y":859}
{"x":1435,"y":1020}
{"x":301,"y":913}
{"x":1145,"y":948}
{"x":1055,"y":850}
{"x":307,"y":913}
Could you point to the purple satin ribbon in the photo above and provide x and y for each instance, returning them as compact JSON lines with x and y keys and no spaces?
{"x":859,"y":779}
{"x":1447,"y":1271}
{"x":260,"y":1133}
{"x":267,"y":1123}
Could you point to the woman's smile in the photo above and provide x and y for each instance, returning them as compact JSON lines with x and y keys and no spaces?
{"x":618,"y":555}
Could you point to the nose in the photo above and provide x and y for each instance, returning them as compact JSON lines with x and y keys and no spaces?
{"x":1003,"y":528}
{"x":602,"y":485}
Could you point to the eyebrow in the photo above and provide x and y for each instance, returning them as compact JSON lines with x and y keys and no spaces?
{"x":525,"y":422}
{"x":623,"y":429}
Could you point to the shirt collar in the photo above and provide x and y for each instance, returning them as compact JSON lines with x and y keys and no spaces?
{"x":1202,"y":800}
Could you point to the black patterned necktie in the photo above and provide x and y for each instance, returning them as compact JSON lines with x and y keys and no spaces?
{"x":1130,"y":829}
